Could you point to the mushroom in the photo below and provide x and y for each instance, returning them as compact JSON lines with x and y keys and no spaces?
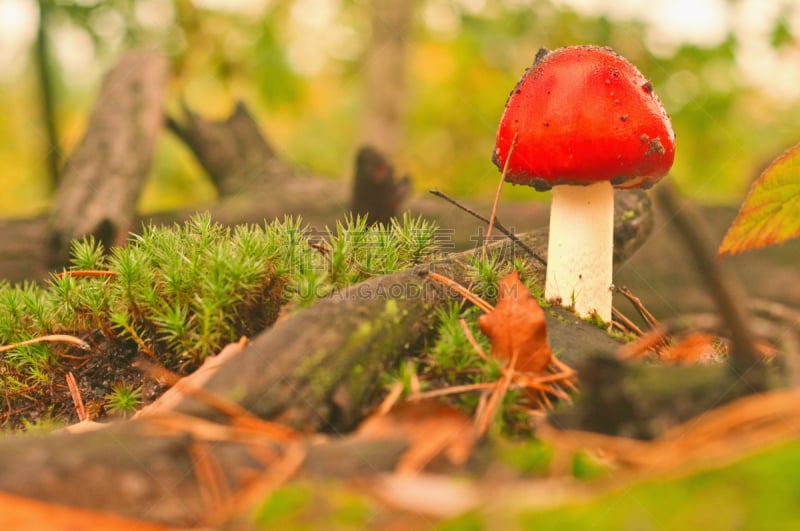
{"x":585,"y":121}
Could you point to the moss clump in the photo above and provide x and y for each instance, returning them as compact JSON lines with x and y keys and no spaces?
{"x":177,"y":295}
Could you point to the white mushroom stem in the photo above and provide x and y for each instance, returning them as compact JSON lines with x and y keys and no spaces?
{"x":580,"y":249}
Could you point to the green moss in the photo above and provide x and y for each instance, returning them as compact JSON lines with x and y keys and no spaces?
{"x":180,"y":293}
{"x":752,"y":494}
{"x":284,"y":507}
{"x":124,"y":399}
{"x":321,"y":504}
{"x":391,"y":309}
{"x":526,"y":457}
{"x":621,"y":336}
{"x":363,"y":331}
{"x":320,"y":380}
{"x":597,"y":321}
{"x":349,"y":510}
{"x":586,"y":466}
{"x":470,"y":521}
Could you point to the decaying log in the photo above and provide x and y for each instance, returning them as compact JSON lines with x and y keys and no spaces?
{"x":24,"y":249}
{"x":101,"y":181}
{"x":140,"y":470}
{"x":256,"y":184}
{"x":377,"y":194}
{"x":234,"y":153}
{"x":124,"y":469}
{"x":24,"y":245}
{"x":385,"y":72}
{"x":642,"y":400}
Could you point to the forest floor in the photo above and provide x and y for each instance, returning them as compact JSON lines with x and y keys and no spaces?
{"x":507,"y":483}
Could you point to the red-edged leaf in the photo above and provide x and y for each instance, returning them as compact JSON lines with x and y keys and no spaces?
{"x":771,"y":212}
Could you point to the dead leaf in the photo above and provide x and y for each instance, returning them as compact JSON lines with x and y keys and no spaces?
{"x":431,"y":429}
{"x":692,"y":348}
{"x":517,"y":327}
{"x":17,"y":512}
{"x":517,"y":330}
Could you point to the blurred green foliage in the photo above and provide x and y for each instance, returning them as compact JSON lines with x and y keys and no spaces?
{"x":754,"y":493}
{"x":298,"y":64}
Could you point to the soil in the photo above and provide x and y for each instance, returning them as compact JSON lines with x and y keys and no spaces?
{"x":96,"y":372}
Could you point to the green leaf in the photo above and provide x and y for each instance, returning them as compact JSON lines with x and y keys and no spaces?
{"x":771,"y":212}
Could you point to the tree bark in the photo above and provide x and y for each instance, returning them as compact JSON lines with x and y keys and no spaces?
{"x":234,"y":153}
{"x":377,"y":194}
{"x":746,"y":362}
{"x":101,"y":181}
{"x":385,"y":74}
{"x":52,"y":149}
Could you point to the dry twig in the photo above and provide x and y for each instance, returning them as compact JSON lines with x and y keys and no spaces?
{"x":497,"y":196}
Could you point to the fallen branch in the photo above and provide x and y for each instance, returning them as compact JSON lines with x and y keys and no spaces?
{"x":102,"y":179}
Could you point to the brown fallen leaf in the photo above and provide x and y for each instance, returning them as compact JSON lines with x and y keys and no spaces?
{"x":649,"y":342}
{"x":692,"y":348}
{"x":431,"y":429}
{"x":517,"y":327}
{"x":517,"y":331}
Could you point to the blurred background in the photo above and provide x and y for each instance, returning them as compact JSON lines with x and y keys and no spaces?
{"x":424,"y":79}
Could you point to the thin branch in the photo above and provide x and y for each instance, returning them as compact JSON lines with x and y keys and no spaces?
{"x":461,"y":290}
{"x":746,"y":361}
{"x":497,"y":195}
{"x":471,"y":339}
{"x":52,"y":338}
{"x":499,"y":226}
{"x":648,"y":317}
{"x":77,"y":400}
{"x":629,"y":325}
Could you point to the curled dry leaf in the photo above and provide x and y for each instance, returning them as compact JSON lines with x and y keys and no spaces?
{"x":648,"y":342}
{"x":517,"y":327}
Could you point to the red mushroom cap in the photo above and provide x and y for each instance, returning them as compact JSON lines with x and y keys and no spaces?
{"x":584,"y":114}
